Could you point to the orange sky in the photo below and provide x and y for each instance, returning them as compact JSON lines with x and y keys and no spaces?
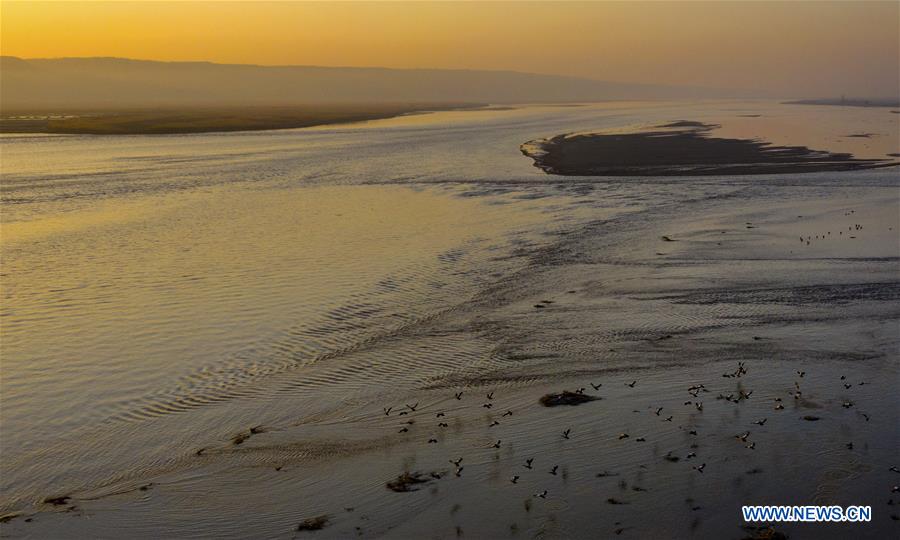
{"x":788,"y":47}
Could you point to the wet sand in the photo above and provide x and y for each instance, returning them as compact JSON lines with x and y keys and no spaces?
{"x":698,"y":308}
{"x":733,"y":362}
{"x":681,"y":148}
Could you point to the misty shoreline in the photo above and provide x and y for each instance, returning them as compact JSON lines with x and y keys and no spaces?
{"x":844,"y":102}
{"x":210,"y":120}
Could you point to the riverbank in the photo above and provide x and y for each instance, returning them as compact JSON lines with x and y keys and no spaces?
{"x":205,"y":120}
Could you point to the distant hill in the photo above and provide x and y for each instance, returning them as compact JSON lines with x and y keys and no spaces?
{"x":78,"y":83}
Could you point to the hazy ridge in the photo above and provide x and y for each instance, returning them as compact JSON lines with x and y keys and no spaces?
{"x":123,"y":83}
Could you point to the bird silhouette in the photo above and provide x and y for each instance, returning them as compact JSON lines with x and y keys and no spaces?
{"x":458,"y":395}
{"x":514,"y":479}
{"x":496,"y":444}
{"x":553,"y":470}
{"x":565,"y":433}
{"x":528,"y":463}
{"x":631,"y":384}
{"x":700,"y":468}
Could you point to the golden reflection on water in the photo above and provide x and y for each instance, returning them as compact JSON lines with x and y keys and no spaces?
{"x":134,"y":293}
{"x":103,"y":213}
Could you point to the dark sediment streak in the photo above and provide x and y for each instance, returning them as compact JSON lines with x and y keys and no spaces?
{"x":682,"y":148}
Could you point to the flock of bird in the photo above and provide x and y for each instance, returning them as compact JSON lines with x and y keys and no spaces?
{"x":696,"y":393}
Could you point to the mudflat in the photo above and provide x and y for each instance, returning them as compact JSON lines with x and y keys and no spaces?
{"x":681,"y":148}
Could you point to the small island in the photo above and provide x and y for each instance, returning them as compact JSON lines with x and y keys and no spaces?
{"x":681,"y":148}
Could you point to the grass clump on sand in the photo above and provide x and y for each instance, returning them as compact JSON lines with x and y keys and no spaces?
{"x":313,"y":524}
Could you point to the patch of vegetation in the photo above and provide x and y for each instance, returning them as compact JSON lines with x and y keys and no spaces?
{"x":202,"y":120}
